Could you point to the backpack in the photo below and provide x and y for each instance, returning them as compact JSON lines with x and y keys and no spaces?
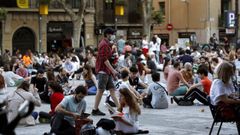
{"x":88,"y":129}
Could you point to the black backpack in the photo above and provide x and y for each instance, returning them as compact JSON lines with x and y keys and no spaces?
{"x":88,"y":129}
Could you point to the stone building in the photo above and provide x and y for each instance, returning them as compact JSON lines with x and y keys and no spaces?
{"x":193,"y":20}
{"x":129,"y":24}
{"x":20,"y":29}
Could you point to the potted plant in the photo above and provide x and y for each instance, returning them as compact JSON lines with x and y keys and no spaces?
{"x":120,"y":2}
{"x":44,"y":2}
{"x":3,"y":13}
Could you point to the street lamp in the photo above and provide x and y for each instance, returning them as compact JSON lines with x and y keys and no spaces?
{"x":187,"y":4}
{"x":119,"y":10}
{"x":43,"y":10}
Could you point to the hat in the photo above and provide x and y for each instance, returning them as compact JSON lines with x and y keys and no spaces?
{"x":109,"y":30}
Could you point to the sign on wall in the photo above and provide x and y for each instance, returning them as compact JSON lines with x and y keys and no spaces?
{"x":230,"y":19}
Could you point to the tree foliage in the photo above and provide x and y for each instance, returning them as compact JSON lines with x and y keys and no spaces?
{"x":157,"y":17}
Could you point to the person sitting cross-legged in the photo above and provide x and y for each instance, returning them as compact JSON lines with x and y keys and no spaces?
{"x":195,"y":93}
{"x":157,"y":94}
{"x":70,"y":109}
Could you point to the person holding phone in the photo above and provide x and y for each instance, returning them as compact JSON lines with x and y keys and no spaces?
{"x":70,"y":109}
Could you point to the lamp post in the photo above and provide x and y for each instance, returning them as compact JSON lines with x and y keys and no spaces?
{"x":43,"y":10}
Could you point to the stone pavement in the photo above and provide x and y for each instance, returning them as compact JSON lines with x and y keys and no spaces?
{"x":176,"y":120}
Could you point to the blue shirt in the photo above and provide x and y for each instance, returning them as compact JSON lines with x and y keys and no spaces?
{"x":69,"y":103}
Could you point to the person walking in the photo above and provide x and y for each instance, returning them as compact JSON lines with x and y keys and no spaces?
{"x":104,"y":70}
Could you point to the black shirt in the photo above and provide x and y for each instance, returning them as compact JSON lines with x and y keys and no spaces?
{"x":39,"y":83}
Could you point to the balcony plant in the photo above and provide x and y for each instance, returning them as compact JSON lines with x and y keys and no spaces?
{"x":45,"y":2}
{"x":3,"y":14}
{"x":120,"y":2}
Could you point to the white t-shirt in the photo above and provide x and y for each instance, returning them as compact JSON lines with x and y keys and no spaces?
{"x":237,"y":64}
{"x":131,"y":118}
{"x":11,"y":78}
{"x":218,"y":89}
{"x":159,"y":96}
{"x":158,"y":43}
{"x":3,"y":95}
{"x":120,"y":84}
{"x":144,"y":44}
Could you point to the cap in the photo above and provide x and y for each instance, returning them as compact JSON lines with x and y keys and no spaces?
{"x":109,"y":30}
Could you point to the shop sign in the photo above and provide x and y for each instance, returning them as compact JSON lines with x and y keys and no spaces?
{"x":134,"y":33}
{"x":55,"y":29}
{"x":230,"y":31}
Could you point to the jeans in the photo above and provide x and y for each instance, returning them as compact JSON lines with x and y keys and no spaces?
{"x":157,"y":56}
{"x":60,"y":126}
{"x":182,"y":90}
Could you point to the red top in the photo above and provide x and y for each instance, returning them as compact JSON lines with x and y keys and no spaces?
{"x":104,"y":53}
{"x":206,"y":84}
{"x":55,"y":99}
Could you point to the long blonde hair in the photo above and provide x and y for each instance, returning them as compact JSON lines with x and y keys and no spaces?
{"x":225,"y":72}
{"x":130,"y":100}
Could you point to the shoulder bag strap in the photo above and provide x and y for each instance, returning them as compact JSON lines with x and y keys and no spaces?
{"x":20,"y":96}
{"x":162,"y":87}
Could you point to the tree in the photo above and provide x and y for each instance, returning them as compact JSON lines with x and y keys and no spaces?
{"x":147,"y":15}
{"x":150,"y":16}
{"x":76,"y":17}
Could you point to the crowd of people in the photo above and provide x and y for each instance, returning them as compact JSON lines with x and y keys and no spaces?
{"x":130,"y":75}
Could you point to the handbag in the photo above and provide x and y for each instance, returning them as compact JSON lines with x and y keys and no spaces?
{"x":226,"y":111}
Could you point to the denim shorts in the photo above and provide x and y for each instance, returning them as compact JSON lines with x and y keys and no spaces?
{"x":105,"y":82}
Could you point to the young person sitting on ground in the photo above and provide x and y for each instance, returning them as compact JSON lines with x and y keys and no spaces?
{"x":70,"y":109}
{"x":157,"y":94}
{"x":130,"y":110}
{"x":173,"y":81}
{"x":21,"y":94}
{"x":194,"y":92}
{"x":90,"y":80}
{"x":55,"y":98}
{"x":123,"y":83}
{"x":136,"y":82}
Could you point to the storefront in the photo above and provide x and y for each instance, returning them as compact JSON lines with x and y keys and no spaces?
{"x":186,"y":38}
{"x":135,"y":35}
{"x":59,"y":36}
{"x":164,"y":38}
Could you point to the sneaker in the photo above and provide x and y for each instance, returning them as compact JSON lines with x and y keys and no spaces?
{"x":142,"y":131}
{"x":98,"y":112}
{"x":176,"y":99}
{"x":43,"y":120}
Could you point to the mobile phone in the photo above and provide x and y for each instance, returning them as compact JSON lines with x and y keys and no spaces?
{"x":85,"y":115}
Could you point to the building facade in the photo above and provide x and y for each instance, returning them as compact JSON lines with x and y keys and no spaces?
{"x":129,"y":24}
{"x":189,"y":20}
{"x":20,"y":28}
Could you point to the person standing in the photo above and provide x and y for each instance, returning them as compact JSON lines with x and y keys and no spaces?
{"x":105,"y":71}
{"x":158,"y":43}
{"x":213,"y":41}
{"x":120,"y":44}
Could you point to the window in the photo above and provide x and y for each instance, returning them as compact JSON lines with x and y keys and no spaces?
{"x":162,"y":7}
{"x":8,"y":3}
{"x":109,"y":4}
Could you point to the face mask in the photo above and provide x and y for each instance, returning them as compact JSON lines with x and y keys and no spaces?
{"x":112,"y":37}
